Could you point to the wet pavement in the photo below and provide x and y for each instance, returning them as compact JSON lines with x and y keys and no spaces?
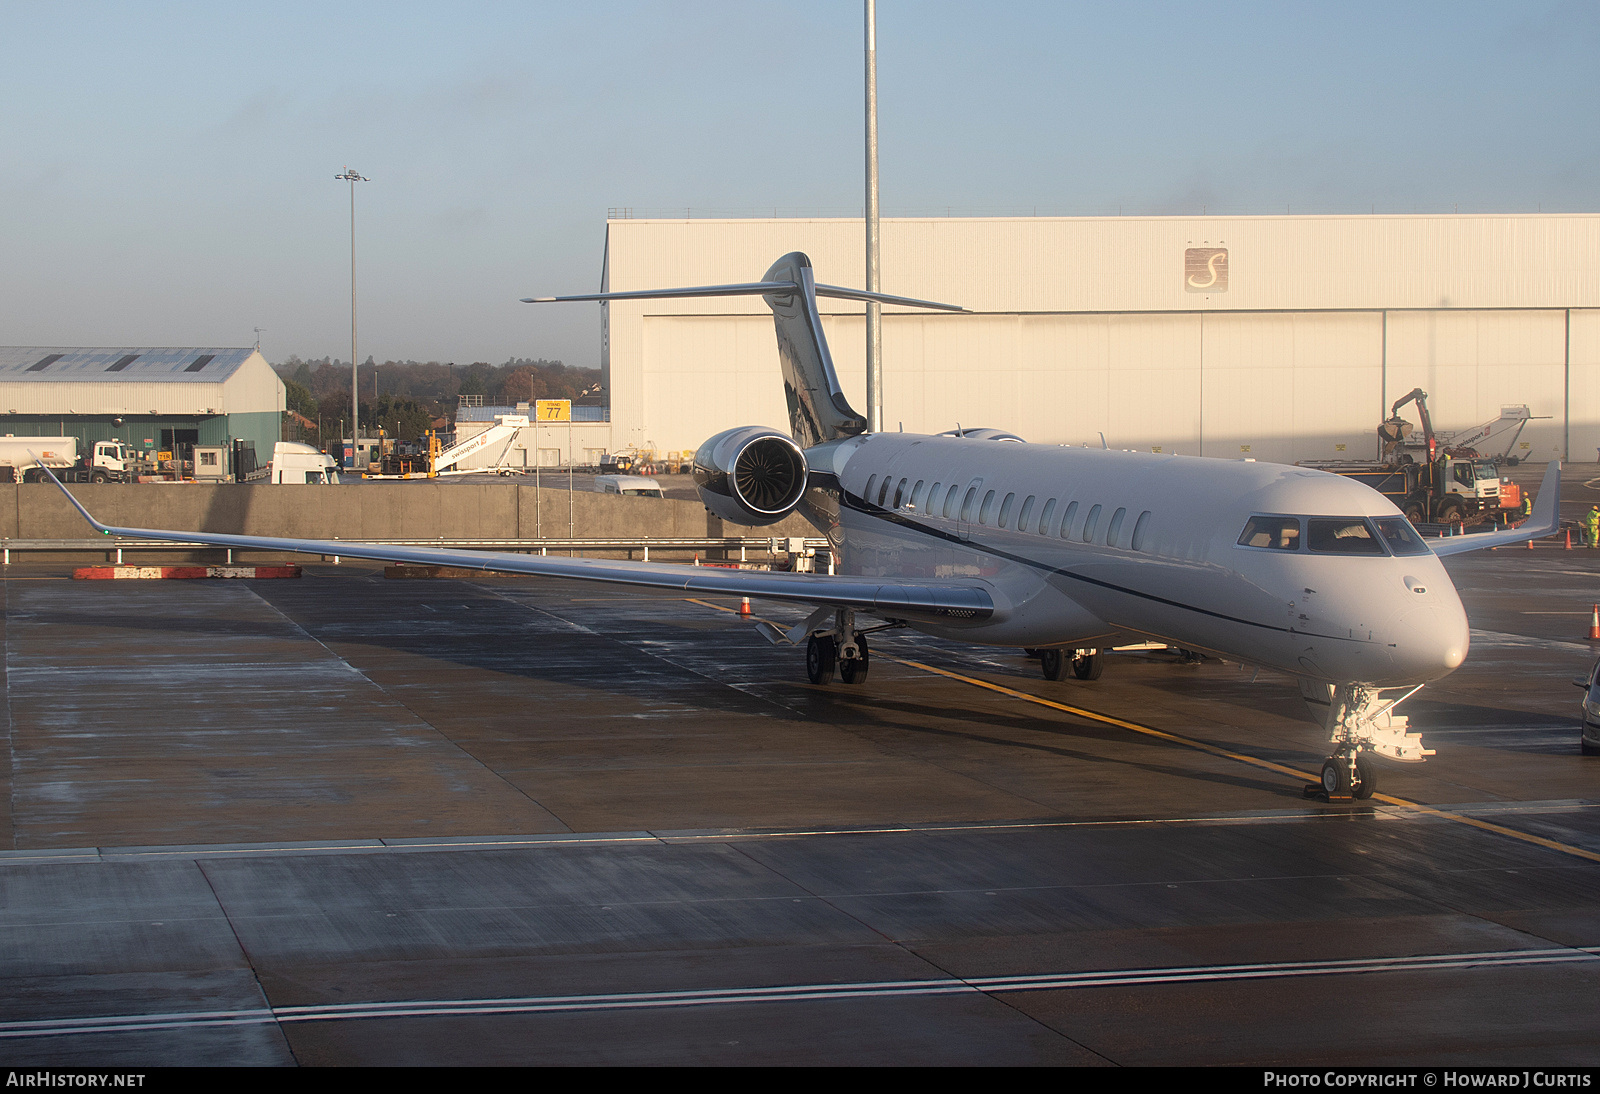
{"x":343,"y":820}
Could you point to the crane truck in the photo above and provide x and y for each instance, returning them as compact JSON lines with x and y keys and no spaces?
{"x":1448,"y":485}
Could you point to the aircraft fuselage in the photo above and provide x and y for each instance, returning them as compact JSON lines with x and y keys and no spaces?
{"x":1088,"y":547}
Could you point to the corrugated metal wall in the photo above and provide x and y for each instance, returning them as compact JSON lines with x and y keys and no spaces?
{"x":1266,"y":369}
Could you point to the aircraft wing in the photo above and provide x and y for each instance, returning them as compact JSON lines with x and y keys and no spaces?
{"x":950,"y":602}
{"x":1545,"y":521}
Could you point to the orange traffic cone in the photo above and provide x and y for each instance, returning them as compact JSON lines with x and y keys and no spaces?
{"x":1594,"y":625}
{"x":697,"y":558}
{"x":1569,"y":539}
{"x":744,"y":606}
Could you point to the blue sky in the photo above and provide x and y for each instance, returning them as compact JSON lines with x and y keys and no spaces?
{"x":166,"y":169}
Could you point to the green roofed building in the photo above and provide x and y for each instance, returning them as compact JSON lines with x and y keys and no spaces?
{"x":152,"y":398}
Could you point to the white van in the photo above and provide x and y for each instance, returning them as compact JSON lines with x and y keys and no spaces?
{"x":634,"y":485}
{"x":300,"y":463}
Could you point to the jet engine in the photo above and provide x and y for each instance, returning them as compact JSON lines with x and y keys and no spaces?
{"x":751,"y":475}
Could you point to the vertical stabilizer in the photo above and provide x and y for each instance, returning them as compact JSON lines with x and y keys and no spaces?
{"x":818,"y":410}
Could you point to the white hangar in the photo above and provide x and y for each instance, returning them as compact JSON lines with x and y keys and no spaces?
{"x":1273,"y":337}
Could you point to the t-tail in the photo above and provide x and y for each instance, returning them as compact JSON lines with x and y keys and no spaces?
{"x":818,"y":410}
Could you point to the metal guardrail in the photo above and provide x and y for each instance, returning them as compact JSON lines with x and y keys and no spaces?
{"x":772,"y":545}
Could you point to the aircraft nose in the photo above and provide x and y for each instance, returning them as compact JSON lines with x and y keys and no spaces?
{"x":1430,"y":642}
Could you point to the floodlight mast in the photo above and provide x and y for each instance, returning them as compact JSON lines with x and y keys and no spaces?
{"x":874,"y":310}
{"x":355,"y":389}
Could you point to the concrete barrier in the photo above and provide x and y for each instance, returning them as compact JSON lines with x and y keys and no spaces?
{"x":375,"y":510}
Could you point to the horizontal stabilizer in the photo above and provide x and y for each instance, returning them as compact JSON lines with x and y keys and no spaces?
{"x":749,"y":288}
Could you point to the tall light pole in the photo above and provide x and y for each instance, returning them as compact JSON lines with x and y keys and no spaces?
{"x":355,"y":391}
{"x":874,"y":310}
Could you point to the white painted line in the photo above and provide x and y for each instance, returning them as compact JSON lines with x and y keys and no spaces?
{"x":1065,"y":981}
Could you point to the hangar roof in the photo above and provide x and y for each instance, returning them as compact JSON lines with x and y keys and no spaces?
{"x":58,"y":364}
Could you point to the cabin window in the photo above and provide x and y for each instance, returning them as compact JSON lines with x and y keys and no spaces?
{"x":967,"y":503}
{"x":867,"y":493}
{"x":1400,"y":537}
{"x":916,"y":494}
{"x":950,"y":499}
{"x":899,"y":494}
{"x":1044,"y":517}
{"x":1067,"y":519}
{"x":1089,"y":524}
{"x":1342,"y":536}
{"x":1115,"y":528}
{"x":1277,"y":533}
{"x":883,"y":491}
{"x":1005,"y":510}
{"x":1027,"y":511}
{"x":1141,"y":531}
{"x":988,"y":508}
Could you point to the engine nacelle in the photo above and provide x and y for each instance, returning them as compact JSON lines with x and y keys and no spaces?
{"x":750,"y":475}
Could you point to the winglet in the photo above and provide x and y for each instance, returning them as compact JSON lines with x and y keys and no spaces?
{"x":98,"y":527}
{"x":1544,"y":521}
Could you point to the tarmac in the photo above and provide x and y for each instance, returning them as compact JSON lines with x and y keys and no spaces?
{"x":344,"y":820}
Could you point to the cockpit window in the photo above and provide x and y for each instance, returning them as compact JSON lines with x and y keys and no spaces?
{"x":1400,"y":537}
{"x":1342,"y":536}
{"x":1277,"y":533}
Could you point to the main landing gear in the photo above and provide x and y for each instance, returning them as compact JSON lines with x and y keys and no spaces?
{"x":827,"y":651}
{"x":1362,"y":724}
{"x":1085,"y":664}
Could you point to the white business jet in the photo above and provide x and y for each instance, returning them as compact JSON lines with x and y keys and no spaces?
{"x":977,"y":536}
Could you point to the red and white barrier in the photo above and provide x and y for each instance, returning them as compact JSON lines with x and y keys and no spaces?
{"x":169,"y":573}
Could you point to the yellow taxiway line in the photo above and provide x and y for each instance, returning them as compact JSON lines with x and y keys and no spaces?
{"x":1214,"y":750}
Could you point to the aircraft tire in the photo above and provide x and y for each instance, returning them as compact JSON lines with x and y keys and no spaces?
{"x":1367,"y":772}
{"x":1335,"y":776}
{"x":1088,"y":666}
{"x":854,"y":670}
{"x":821,"y":655}
{"x":1052,"y":664}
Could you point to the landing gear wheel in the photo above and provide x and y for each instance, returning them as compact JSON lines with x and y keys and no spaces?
{"x":853,"y":670}
{"x":1088,"y":664}
{"x":1366,"y":776}
{"x":821,"y":653}
{"x":1335,"y":777}
{"x":1053,"y":665}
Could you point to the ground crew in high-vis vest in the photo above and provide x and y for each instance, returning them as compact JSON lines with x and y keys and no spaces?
{"x":1592,"y":525}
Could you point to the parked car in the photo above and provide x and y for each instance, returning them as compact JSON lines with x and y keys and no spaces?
{"x":635,"y":485}
{"x":1589,"y":733}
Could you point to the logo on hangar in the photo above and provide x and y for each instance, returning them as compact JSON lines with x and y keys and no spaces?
{"x":1205,"y":269}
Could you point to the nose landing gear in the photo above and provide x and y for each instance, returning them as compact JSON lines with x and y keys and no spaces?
{"x":1348,"y":774}
{"x":1361,"y":724}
